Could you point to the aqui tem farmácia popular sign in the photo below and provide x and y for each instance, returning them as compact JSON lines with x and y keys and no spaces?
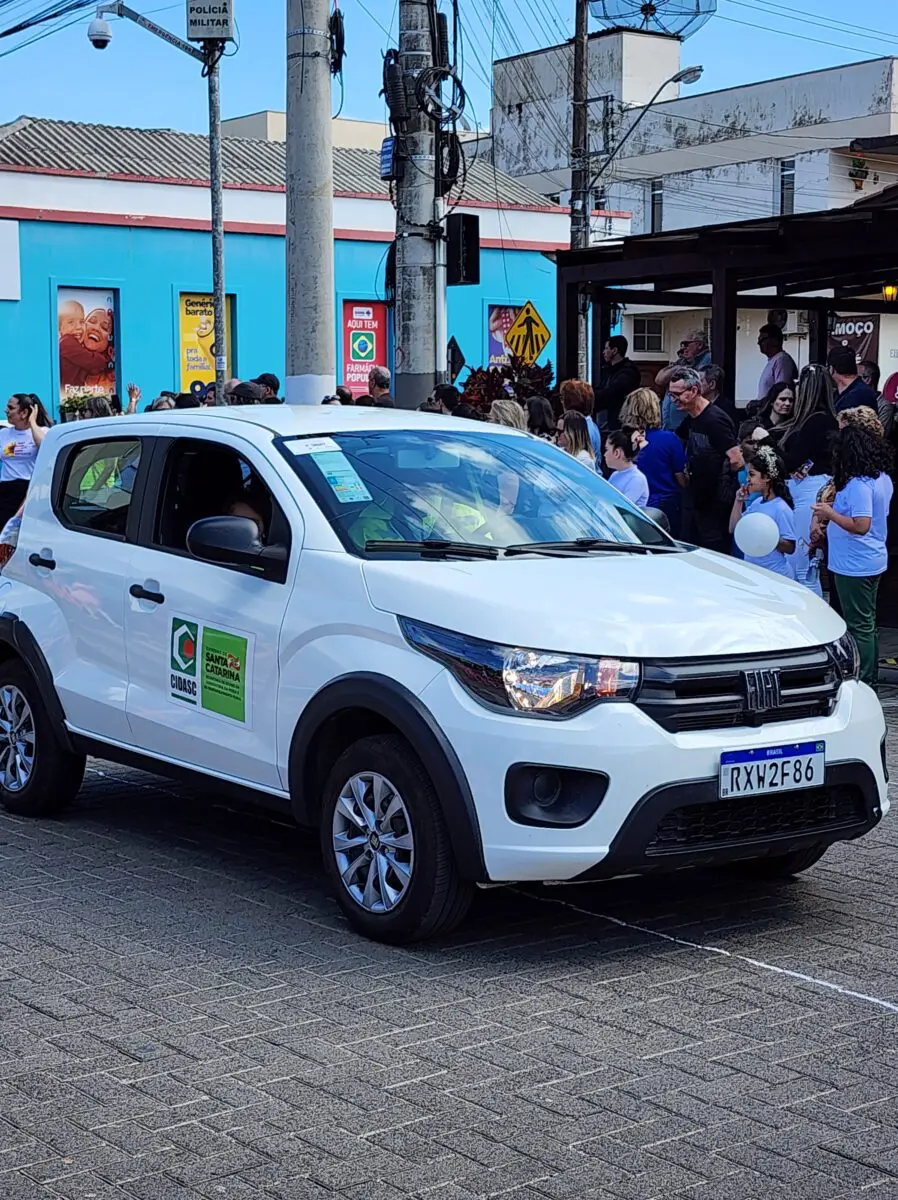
{"x":210,"y":20}
{"x":211,"y":669}
{"x":364,"y":342}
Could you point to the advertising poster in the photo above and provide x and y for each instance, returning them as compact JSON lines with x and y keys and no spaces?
{"x":212,"y":669}
{"x":861,"y":334}
{"x":196,"y":328}
{"x":87,"y":325}
{"x":365,"y":342}
{"x":501,"y":317}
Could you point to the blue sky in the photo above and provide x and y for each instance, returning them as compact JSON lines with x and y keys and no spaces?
{"x":141,"y":81}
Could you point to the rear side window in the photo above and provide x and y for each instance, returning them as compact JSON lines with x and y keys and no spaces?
{"x":99,"y":482}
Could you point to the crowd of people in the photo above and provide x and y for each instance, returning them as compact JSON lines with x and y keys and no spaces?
{"x":813,"y":453}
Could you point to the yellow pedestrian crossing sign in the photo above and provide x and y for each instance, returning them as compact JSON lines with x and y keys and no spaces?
{"x":529,"y":335}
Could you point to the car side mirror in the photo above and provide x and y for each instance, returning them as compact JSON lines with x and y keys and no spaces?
{"x":659,"y":517}
{"x":235,"y":542}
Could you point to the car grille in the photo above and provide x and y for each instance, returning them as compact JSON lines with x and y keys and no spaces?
{"x":685,"y":695}
{"x":730,"y":822}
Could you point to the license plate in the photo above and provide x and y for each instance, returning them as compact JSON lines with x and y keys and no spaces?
{"x":772,"y":769}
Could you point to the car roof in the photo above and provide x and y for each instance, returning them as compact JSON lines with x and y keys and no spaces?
{"x":286,"y":420}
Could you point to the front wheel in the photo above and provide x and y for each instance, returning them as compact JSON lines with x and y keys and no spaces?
{"x":38,"y":777}
{"x":386,"y":847}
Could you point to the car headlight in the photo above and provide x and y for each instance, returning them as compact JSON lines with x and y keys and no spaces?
{"x":847,"y":657}
{"x":529,"y":682}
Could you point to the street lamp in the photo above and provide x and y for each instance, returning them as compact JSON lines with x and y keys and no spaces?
{"x":214,"y":40}
{"x":686,"y":75}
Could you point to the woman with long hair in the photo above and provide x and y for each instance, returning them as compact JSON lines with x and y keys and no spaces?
{"x":573,"y":436}
{"x":540,"y":418}
{"x":767,"y":481}
{"x":777,"y":407}
{"x":662,"y":455}
{"x":19,"y":444}
{"x":856,"y":533}
{"x":507,"y":411}
{"x":804,"y":442}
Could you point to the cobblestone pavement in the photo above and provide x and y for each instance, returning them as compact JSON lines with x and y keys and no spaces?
{"x":185,"y":1015}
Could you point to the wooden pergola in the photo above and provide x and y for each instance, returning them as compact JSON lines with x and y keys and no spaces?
{"x":836,"y":261}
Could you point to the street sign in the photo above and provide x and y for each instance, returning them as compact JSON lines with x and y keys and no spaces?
{"x":365,"y":342}
{"x":528,"y":336}
{"x":210,"y":20}
{"x":456,"y":360}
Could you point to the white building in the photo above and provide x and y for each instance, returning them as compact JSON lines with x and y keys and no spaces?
{"x":820,"y":140}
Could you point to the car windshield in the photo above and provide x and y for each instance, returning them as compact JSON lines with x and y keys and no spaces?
{"x":481,"y":488}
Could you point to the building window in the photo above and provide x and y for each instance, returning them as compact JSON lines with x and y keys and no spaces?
{"x":657,"y":205}
{"x":787,"y":187}
{"x":648,"y":335}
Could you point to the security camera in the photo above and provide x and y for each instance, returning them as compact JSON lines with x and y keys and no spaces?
{"x":100,"y":33}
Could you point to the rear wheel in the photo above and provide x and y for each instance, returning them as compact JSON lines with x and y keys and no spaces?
{"x":781,"y":866}
{"x":38,"y":777}
{"x":386,"y":847}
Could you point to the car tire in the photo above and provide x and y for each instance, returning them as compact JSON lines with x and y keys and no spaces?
{"x":386,"y":846}
{"x":782,"y":866}
{"x":44,"y":782}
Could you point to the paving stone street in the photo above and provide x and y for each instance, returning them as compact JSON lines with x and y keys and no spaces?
{"x":184,"y":1015}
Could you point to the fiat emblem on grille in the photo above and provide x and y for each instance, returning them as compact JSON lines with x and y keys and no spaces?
{"x":762,"y":690}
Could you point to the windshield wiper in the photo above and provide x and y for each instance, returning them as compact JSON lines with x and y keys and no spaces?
{"x":432,"y":547}
{"x":584,"y":546}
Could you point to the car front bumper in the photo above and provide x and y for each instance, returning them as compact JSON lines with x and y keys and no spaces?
{"x":661,"y":808}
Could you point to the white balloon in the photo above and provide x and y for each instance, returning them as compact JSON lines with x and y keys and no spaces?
{"x":757,"y":535}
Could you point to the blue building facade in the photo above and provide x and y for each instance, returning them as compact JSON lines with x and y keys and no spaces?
{"x":148,"y":269}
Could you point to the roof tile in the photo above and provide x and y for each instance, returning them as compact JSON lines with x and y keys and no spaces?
{"x":103,"y":150}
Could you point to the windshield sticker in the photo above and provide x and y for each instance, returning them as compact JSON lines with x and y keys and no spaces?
{"x":312,"y":445}
{"x":211,"y":669}
{"x":342,"y":477}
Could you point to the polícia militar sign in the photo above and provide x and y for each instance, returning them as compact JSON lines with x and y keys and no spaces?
{"x":210,"y":20}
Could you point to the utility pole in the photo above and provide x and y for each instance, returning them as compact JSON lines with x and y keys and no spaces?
{"x":417,"y":312}
{"x":581,"y":206}
{"x":214,"y":52}
{"x":311,"y":319}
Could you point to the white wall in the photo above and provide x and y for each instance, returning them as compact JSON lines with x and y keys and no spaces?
{"x":733,"y":192}
{"x":792,"y":117}
{"x":49,"y":193}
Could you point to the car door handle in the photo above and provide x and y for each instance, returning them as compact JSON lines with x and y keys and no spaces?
{"x":141,"y":593}
{"x":38,"y":560}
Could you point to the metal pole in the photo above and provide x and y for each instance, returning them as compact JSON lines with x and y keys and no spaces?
{"x":580,"y":202}
{"x":219,"y":298}
{"x":416,"y":244}
{"x":311,"y":319}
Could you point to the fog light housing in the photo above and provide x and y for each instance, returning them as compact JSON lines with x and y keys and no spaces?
{"x":556,"y":797}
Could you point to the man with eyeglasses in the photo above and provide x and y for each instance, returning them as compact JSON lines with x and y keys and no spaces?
{"x":693,"y":353}
{"x":712,"y":458}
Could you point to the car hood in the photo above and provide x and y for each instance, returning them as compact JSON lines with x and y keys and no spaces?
{"x":695,"y":604}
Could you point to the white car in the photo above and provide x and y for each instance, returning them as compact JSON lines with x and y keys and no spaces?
{"x":458,"y":653}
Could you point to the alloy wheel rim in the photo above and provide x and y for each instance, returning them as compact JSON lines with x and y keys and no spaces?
{"x":373,"y":842}
{"x":16,"y":740}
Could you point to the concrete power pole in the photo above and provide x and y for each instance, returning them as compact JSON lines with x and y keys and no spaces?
{"x":581,"y":204}
{"x":311,"y":321}
{"x":417,"y":235}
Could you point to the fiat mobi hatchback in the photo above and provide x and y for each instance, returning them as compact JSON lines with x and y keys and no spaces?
{"x":449,"y":647}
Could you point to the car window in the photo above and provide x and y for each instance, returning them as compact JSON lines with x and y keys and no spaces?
{"x":483,"y":488}
{"x":207,"y":479}
{"x":99,"y":482}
